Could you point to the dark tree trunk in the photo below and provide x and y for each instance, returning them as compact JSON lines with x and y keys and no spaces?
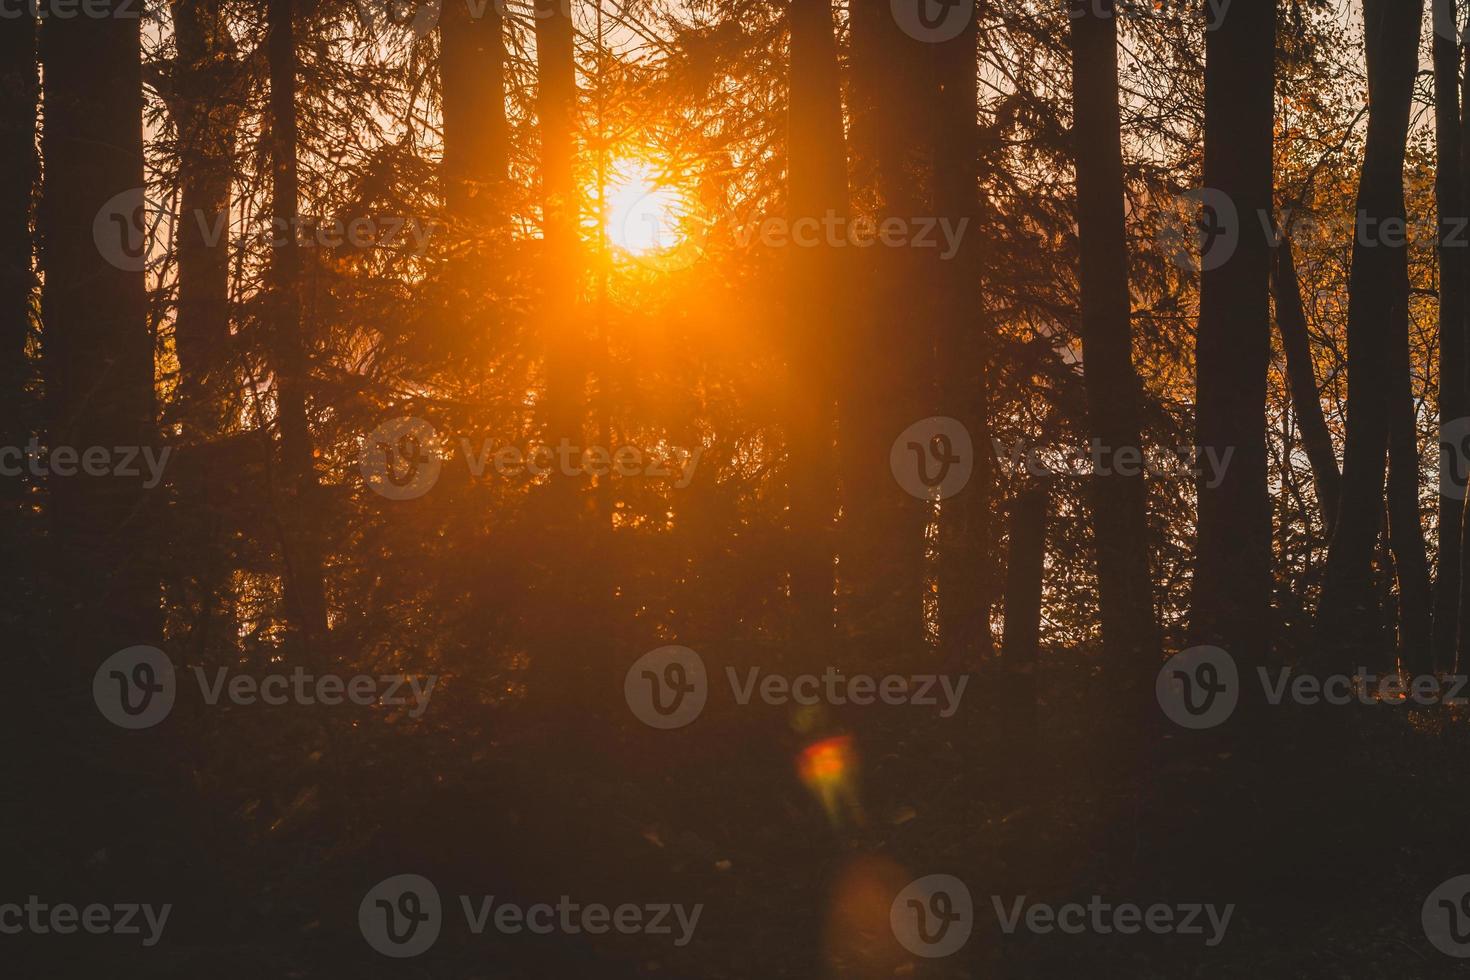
{"x":1024,"y":568}
{"x":202,"y":96}
{"x":18,"y":94}
{"x":305,"y":593}
{"x":883,"y":388}
{"x":1377,"y":288}
{"x":476,"y":135}
{"x":1454,"y":280}
{"x":1231,"y":601}
{"x":1291,"y":320}
{"x":98,"y":350}
{"x":817,"y":187}
{"x":556,"y":105}
{"x":1405,"y":531}
{"x":968,"y":556}
{"x":1117,"y":493}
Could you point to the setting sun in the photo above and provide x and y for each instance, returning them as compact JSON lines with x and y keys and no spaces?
{"x":643,"y":216}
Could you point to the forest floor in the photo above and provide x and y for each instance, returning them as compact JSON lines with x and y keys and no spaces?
{"x":1326,"y":845}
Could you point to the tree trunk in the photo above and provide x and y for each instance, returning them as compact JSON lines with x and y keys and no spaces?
{"x":1405,"y":531}
{"x":1291,"y":320}
{"x":1117,"y":492}
{"x":1376,"y":290}
{"x":476,"y":135}
{"x":305,"y":594}
{"x":884,"y":384}
{"x":1454,"y":280}
{"x":968,"y":557}
{"x":18,"y":94}
{"x":1024,"y":568}
{"x":1231,"y":601}
{"x":206,"y":113}
{"x":556,"y":105}
{"x":816,"y":188}
{"x":98,"y":350}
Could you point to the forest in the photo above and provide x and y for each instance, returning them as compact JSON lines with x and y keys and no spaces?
{"x":735,"y":489}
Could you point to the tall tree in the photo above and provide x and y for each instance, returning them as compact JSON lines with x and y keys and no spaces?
{"x":884,"y":377}
{"x":1377,"y":293}
{"x":1231,"y":600}
{"x":1454,"y":281}
{"x":1291,"y":320}
{"x":472,"y":83}
{"x":18,"y":94}
{"x":97,"y":347}
{"x":1118,"y":495}
{"x":816,"y":189}
{"x":201,"y":92}
{"x":556,"y":106}
{"x":302,"y":545}
{"x":965,"y":344}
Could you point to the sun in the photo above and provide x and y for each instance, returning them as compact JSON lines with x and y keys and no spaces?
{"x":644,"y":216}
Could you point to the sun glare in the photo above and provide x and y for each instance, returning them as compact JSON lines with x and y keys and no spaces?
{"x":643,"y":216}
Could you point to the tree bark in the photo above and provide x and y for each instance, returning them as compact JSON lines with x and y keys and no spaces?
{"x":1117,"y":493}
{"x":1291,"y":320}
{"x":476,"y":134}
{"x":968,"y":558}
{"x":816,"y":188}
{"x":305,"y":591}
{"x":1024,"y":569}
{"x":1454,"y":280}
{"x":1377,"y":288}
{"x":886,"y":374}
{"x":18,"y":171}
{"x":202,"y":91}
{"x":97,"y":348}
{"x":1231,"y":601}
